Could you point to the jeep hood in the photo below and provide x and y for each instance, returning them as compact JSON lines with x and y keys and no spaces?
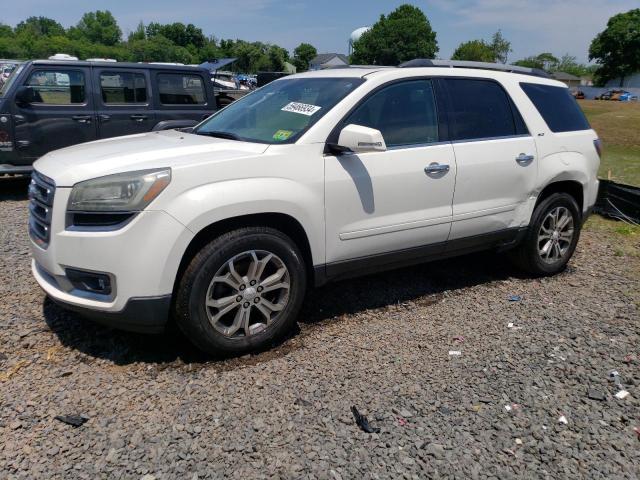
{"x":169,"y":148}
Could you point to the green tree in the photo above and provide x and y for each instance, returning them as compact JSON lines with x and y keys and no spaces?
{"x":97,"y":27}
{"x":138,"y":34}
{"x":179,"y":33}
{"x":159,"y":49}
{"x":617,"y":48}
{"x":5,"y":30}
{"x":500,"y":46}
{"x":544,"y":61}
{"x":302,"y":55}
{"x":402,"y":35}
{"x":40,"y":26}
{"x":475,"y":51}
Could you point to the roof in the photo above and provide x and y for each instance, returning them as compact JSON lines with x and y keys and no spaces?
{"x":394,"y":73}
{"x":323,"y":58}
{"x":83,"y":63}
{"x":564,"y":76}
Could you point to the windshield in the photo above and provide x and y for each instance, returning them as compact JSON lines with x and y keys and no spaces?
{"x":9,"y":81}
{"x":279,"y":112}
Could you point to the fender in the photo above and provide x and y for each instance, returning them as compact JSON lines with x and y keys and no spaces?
{"x":204,"y":205}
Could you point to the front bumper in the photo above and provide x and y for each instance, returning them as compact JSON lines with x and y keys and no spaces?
{"x":141,"y":259}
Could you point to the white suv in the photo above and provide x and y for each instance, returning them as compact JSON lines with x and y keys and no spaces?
{"x":314,"y":177}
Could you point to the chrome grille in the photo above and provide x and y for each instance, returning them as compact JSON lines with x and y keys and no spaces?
{"x":41,"y":193}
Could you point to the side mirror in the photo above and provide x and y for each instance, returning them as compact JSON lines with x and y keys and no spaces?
{"x":24,"y":95}
{"x":359,"y":139}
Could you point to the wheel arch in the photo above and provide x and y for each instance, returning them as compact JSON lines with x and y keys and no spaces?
{"x":280,"y":221}
{"x":571,"y":187}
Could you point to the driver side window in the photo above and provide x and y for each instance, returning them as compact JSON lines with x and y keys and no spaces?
{"x":404,"y":112}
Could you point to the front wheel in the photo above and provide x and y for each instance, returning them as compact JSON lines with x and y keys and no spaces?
{"x":241,"y":292}
{"x":552,"y":236}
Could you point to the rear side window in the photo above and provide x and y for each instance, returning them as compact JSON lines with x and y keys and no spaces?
{"x":481,"y":109}
{"x":181,"y":89}
{"x":57,"y":87}
{"x":558,"y":108}
{"x":405,"y":113}
{"x":123,"y":88}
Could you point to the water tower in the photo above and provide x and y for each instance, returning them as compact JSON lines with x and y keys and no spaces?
{"x":355,"y":36}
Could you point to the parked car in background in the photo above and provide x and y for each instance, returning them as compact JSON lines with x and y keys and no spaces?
{"x":616,"y":95}
{"x":578,"y":94}
{"x":628,"y":97}
{"x":50,"y":104}
{"x":315,"y":177}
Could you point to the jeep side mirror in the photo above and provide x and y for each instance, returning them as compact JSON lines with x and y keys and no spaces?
{"x":24,"y":95}
{"x":359,"y":139}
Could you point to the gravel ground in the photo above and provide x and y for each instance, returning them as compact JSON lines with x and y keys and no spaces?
{"x":158,"y":409}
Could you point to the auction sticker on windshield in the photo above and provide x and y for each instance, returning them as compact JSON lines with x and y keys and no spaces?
{"x":301,"y":108}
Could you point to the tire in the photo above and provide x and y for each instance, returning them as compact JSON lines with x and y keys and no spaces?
{"x":528,"y":255}
{"x":234,"y":322}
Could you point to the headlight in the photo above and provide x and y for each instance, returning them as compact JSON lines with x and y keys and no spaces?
{"x":122,"y":192}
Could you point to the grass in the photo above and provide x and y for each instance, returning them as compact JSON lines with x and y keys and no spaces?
{"x":618,"y":125}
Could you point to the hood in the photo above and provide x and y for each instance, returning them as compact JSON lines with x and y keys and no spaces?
{"x":169,"y":148}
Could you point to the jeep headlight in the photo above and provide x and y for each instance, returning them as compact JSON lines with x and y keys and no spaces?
{"x":122,"y":192}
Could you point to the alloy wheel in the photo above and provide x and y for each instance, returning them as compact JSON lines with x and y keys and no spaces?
{"x":555,"y":235}
{"x":247,"y":293}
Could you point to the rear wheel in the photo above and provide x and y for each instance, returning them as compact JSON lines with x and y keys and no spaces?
{"x":241,"y":292}
{"x":552,"y":236}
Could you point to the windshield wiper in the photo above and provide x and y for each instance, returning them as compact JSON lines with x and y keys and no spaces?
{"x":220,"y":134}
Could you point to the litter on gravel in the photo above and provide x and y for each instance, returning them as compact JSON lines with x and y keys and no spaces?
{"x":455,"y":353}
{"x":622,"y":394}
{"x":362,"y":421}
{"x":73,"y":420}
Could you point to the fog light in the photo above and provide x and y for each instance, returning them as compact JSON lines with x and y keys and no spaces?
{"x":99,"y":283}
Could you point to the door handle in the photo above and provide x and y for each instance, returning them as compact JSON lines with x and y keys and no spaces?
{"x":138,"y":118}
{"x":104,"y":118}
{"x":436,"y":168}
{"x":524,"y":159}
{"x":82,"y":118}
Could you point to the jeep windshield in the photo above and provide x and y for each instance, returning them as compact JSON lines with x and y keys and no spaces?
{"x":279,"y":112}
{"x":9,"y":81}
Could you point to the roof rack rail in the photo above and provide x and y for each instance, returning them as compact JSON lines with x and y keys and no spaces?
{"x":425,"y":62}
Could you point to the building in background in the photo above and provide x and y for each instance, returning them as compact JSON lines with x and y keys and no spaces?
{"x":567,"y":78}
{"x":328,"y":60}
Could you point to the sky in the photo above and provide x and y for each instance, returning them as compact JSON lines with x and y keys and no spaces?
{"x":532,"y":26}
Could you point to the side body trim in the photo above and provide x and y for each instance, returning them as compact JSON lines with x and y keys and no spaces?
{"x":502,"y":240}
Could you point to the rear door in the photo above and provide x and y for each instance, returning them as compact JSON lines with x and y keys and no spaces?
{"x":495,"y":154}
{"x":59,"y":114}
{"x":180,"y":95}
{"x":123,"y":100}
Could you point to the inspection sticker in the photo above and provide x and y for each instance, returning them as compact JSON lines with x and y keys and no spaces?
{"x":302,"y":108}
{"x":282,"y":135}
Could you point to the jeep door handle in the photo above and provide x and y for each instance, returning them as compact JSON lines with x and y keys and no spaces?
{"x":104,"y":118}
{"x":138,"y":118}
{"x":82,"y":118}
{"x":436,"y":168}
{"x":524,"y":159}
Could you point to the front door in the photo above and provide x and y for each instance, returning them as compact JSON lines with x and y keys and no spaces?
{"x":496,"y":159}
{"x":123,"y":100}
{"x":60,"y":112}
{"x":397,"y":200}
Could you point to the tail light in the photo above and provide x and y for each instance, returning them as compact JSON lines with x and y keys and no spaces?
{"x":598,"y":144}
